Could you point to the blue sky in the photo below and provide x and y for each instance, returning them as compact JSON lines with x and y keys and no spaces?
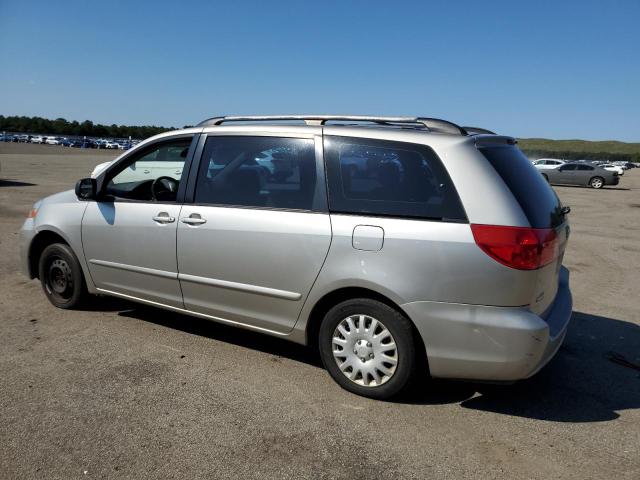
{"x":557,"y":69}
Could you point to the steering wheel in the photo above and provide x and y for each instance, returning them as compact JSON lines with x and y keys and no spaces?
{"x":164,"y":188}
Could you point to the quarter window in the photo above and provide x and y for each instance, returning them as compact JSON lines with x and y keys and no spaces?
{"x":376,"y":177}
{"x":270,"y":172}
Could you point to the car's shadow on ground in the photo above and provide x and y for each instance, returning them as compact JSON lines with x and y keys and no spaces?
{"x":581,"y":384}
{"x":15,"y":183}
{"x":606,"y":187}
{"x":224,"y":333}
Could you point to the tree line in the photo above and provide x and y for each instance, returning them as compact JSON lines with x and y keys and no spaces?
{"x":61,"y":126}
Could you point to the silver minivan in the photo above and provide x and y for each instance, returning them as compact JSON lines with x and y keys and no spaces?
{"x":394,"y":245}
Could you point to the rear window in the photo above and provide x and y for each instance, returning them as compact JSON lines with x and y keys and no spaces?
{"x":537,"y":199}
{"x":386,"y":178}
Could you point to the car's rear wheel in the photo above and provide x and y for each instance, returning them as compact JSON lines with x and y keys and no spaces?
{"x":368,"y":348}
{"x":596,"y":182}
{"x":61,"y":276}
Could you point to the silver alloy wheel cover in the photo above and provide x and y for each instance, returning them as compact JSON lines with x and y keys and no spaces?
{"x":596,"y":183}
{"x":364,"y":350}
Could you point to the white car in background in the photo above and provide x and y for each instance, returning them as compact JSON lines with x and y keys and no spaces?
{"x":100,"y":168}
{"x":156,"y":164}
{"x":53,"y":140}
{"x":612,"y":168}
{"x":548,"y":163}
{"x":37,"y":139}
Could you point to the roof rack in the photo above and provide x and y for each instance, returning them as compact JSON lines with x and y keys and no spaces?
{"x":432,"y":124}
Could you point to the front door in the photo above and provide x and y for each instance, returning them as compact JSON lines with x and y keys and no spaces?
{"x":253,"y":242}
{"x":129,"y":237}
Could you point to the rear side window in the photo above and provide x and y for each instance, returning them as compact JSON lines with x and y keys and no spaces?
{"x":536,"y":198}
{"x":380,"y":177}
{"x":270,"y":172}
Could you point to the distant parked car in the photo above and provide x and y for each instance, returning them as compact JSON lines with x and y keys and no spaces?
{"x":53,"y":140}
{"x":7,"y":138}
{"x":23,"y":138}
{"x":548,"y":163}
{"x":100,"y":168}
{"x":37,"y":139}
{"x":612,"y":168}
{"x":66,"y":142}
{"x":624,"y":165}
{"x":581,"y":174}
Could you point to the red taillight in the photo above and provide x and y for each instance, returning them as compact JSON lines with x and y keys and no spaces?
{"x":523,"y":248}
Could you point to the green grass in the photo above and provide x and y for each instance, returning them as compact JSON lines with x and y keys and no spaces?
{"x":577,"y":149}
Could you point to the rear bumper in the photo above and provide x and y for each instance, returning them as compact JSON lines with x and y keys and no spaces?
{"x":487,"y":343}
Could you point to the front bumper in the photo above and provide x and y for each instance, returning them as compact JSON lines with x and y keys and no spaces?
{"x":488,"y":343}
{"x":27,"y":232}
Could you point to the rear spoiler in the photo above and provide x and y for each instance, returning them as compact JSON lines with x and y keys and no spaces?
{"x":493,"y":140}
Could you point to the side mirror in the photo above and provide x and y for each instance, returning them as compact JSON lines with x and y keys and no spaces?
{"x":86,"y":189}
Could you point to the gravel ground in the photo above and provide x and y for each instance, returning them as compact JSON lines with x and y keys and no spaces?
{"x":124,"y":391}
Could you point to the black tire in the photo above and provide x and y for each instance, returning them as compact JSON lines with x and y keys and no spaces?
{"x":397,"y":324}
{"x":596,"y":182}
{"x":61,"y":276}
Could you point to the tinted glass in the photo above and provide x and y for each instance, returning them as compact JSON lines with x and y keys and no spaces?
{"x":568,"y":167}
{"x":133,"y":180}
{"x":584,"y":167}
{"x":536,"y":198}
{"x":378,"y":177}
{"x":258,"y":172}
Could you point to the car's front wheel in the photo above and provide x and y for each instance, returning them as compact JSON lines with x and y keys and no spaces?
{"x":368,"y":348}
{"x":61,"y":276}
{"x":596,"y":182}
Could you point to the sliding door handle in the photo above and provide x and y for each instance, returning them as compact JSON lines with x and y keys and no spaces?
{"x":193,"y":220}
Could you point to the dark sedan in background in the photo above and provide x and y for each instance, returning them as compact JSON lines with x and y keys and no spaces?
{"x":580,"y":174}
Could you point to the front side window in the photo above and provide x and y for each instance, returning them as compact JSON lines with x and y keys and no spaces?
{"x":271,"y":172}
{"x":153,"y":174}
{"x":379,"y":177}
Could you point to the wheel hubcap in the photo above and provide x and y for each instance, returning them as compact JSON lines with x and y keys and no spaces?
{"x":596,"y":183}
{"x":364,"y":350}
{"x":60,"y":281}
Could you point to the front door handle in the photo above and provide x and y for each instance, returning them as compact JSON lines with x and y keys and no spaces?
{"x":163,"y":217}
{"x":193,"y":219}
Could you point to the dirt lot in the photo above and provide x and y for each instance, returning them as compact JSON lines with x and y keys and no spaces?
{"x":123,"y":391}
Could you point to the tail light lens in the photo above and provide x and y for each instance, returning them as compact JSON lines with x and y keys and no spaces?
{"x":522,"y":248}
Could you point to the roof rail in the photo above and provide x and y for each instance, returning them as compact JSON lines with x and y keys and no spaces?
{"x":432,"y":124}
{"x":478,"y":131}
